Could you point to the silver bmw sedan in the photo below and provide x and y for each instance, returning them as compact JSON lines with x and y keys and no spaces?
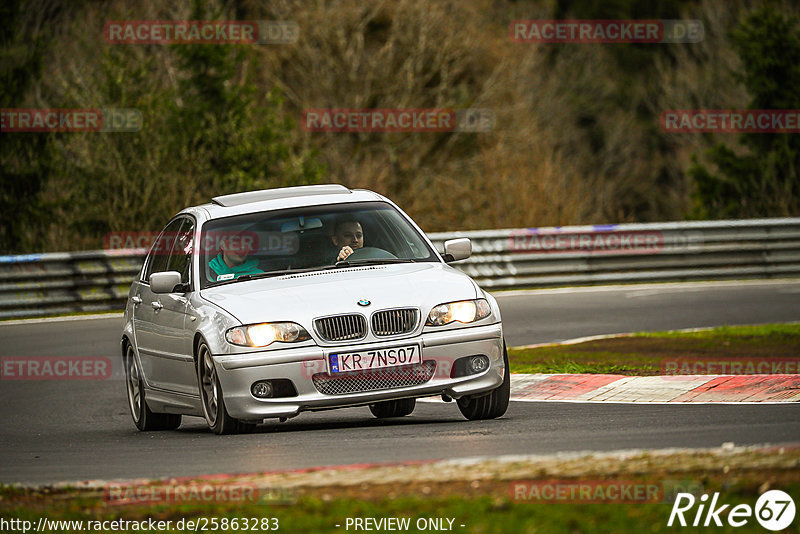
{"x":269,"y":303}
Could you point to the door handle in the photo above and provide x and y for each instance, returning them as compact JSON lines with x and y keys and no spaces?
{"x":136,"y":299}
{"x":156,"y":305}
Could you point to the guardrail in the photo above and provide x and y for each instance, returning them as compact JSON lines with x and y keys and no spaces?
{"x":623,"y":253}
{"x":34,"y":285}
{"x":56,"y":283}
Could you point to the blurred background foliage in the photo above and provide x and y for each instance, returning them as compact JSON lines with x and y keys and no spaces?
{"x":577,"y":138}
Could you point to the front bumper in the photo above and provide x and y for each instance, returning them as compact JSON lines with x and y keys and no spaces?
{"x":238,"y":372}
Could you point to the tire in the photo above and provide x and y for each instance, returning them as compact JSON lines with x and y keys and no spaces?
{"x":143,"y":417}
{"x":489,"y":406}
{"x":213,"y":399}
{"x":395,"y":408}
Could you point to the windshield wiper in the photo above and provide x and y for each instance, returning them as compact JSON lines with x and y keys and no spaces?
{"x":268,"y":274}
{"x":376,"y":261}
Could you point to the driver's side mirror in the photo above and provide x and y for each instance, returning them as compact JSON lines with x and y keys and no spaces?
{"x":457,"y":249}
{"x":161,"y":283}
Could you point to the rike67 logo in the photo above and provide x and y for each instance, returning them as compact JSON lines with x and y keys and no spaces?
{"x":774,"y":510}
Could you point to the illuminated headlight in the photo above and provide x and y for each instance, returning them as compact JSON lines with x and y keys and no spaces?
{"x":464,"y":311}
{"x":261,"y":335}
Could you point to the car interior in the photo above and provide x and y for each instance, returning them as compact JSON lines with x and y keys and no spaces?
{"x":311,"y":244}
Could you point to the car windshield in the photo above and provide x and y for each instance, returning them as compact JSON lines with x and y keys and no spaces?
{"x":278,"y":242}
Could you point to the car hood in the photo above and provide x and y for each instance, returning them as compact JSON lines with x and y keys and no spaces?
{"x":304,"y":296}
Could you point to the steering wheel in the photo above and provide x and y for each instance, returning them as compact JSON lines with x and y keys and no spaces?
{"x":370,"y":253}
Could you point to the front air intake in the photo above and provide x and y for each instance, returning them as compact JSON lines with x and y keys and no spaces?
{"x":341,"y":327}
{"x":394,"y":322}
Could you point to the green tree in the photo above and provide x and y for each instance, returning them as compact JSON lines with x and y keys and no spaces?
{"x":759,"y":177}
{"x":210,"y":127}
{"x":24,"y":157}
{"x":620,"y":97}
{"x":239,"y":132}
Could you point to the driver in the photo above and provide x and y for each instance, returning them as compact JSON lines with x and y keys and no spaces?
{"x":232,"y":262}
{"x":347,"y":237}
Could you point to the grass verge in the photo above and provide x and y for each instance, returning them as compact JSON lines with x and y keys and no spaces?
{"x":488,"y":505}
{"x":644,"y":354}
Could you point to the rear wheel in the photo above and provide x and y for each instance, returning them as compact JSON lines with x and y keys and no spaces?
{"x":143,"y":418}
{"x":213,"y":399}
{"x":492,"y":405}
{"x":394,"y":408}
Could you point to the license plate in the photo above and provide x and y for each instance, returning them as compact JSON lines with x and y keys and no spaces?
{"x":375,"y":359}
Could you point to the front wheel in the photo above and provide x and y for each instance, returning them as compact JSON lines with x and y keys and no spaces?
{"x":394,"y":408}
{"x":489,"y":406}
{"x":143,"y":418}
{"x":212,"y":398}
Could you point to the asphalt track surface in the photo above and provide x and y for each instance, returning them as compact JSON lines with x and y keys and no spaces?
{"x":54,"y":431}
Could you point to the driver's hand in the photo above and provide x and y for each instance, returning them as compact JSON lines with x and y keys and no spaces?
{"x":346,"y":251}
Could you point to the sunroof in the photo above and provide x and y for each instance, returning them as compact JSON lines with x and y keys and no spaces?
{"x":237,"y":199}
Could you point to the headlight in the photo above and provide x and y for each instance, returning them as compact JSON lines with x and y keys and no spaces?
{"x":464,"y":311}
{"x":261,"y":335}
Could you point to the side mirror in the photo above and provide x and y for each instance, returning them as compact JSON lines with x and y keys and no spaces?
{"x":457,"y":249}
{"x":161,"y":283}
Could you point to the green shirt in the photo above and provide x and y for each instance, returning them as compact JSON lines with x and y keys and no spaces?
{"x":218,"y":265}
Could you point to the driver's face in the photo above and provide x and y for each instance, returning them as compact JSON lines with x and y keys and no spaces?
{"x":349,"y":235}
{"x":234,"y":258}
{"x":235,"y":252}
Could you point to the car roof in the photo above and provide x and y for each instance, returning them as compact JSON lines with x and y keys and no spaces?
{"x":281,"y":198}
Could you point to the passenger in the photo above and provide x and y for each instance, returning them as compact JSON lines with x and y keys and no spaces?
{"x":347,"y":237}
{"x":233,"y":260}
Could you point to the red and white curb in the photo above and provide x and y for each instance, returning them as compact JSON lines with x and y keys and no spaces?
{"x":758,"y":389}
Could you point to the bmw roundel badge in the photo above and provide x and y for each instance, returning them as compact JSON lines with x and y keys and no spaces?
{"x":364,"y":302}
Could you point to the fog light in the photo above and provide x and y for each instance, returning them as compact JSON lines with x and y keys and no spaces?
{"x":262,"y":390}
{"x":478,"y":364}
